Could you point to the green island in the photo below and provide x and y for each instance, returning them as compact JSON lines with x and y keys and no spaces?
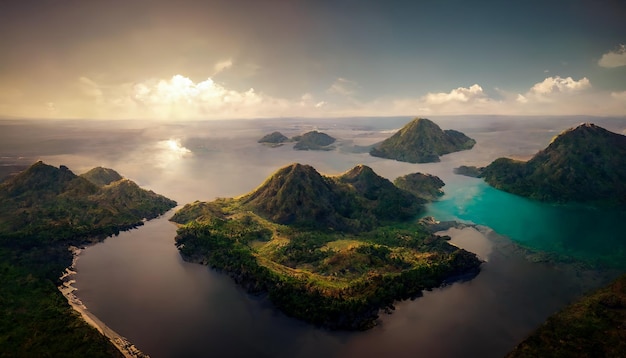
{"x":274,"y":139}
{"x":585,"y":164}
{"x":332,"y":251}
{"x":43,"y":211}
{"x":590,"y":327}
{"x":422,"y":141}
{"x":313,"y":140}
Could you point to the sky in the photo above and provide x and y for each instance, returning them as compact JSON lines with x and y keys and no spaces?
{"x":192,"y":59}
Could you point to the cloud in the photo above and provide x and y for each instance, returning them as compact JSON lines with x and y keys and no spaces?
{"x":558,"y":84}
{"x":620,"y":96}
{"x":222,"y":66}
{"x":460,"y":94}
{"x":552,"y":88}
{"x":613,"y":59}
{"x":343,"y":87}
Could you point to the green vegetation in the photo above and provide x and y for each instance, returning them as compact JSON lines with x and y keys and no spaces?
{"x":422,"y":141}
{"x":468,"y":171}
{"x":424,"y":186}
{"x":586,"y":164}
{"x":332,"y":251}
{"x":313,"y":140}
{"x":594,"y":326}
{"x":274,"y":138}
{"x":43,"y":211}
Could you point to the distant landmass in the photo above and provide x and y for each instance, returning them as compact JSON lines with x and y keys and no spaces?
{"x":313,"y":140}
{"x":332,"y":251}
{"x":275,"y":138}
{"x":591,"y":327}
{"x":422,"y":141}
{"x":43,"y":211}
{"x":585,"y":164}
{"x":424,"y":186}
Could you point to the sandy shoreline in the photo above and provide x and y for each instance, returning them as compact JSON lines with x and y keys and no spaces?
{"x":121,"y":343}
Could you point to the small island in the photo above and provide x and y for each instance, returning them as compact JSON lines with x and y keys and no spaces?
{"x":44,"y":211}
{"x":585,"y":164}
{"x":424,"y":186}
{"x":422,"y":141}
{"x":313,"y":140}
{"x":332,"y":251}
{"x":274,"y":139}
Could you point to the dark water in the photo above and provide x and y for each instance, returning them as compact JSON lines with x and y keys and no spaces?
{"x":139,"y":286}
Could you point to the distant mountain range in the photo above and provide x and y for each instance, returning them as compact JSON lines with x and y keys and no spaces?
{"x":585,"y":164}
{"x":422,"y":141}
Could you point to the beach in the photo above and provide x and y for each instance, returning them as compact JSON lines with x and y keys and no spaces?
{"x":67,"y":289}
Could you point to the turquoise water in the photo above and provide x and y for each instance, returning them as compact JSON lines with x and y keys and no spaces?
{"x":593,"y":235}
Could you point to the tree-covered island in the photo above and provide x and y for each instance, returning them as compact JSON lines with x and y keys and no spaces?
{"x":332,"y":251}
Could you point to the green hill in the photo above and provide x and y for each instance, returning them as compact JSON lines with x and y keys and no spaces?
{"x":585,"y":164}
{"x":44,"y":210}
{"x":332,"y":251}
{"x":357,"y":200}
{"x":594,"y":326}
{"x":313,"y":140}
{"x":425,"y":186}
{"x":421,"y":141}
{"x":102,"y":176}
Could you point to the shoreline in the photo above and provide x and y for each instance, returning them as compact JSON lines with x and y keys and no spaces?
{"x":125,"y":347}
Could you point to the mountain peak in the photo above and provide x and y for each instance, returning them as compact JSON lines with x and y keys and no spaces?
{"x":586,"y":163}
{"x":421,"y":141}
{"x":102,"y":176}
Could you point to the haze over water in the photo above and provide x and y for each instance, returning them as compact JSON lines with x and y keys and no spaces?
{"x":138,"y":284}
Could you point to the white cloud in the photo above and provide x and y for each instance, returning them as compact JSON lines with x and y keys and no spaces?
{"x":222,"y":66}
{"x":613,"y":59}
{"x":343,"y":87}
{"x":460,"y":94}
{"x":558,"y":84}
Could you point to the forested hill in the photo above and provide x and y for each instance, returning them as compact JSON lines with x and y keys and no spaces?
{"x":585,"y":164}
{"x":54,"y":203}
{"x":357,"y":200}
{"x":422,"y":141}
{"x":44,"y":210}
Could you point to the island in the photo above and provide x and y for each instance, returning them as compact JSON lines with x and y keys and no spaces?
{"x":590,"y":327}
{"x":585,"y":164}
{"x":424,"y":186}
{"x":44,"y":211}
{"x":274,"y":139}
{"x":330,"y":250}
{"x":422,"y":141}
{"x":313,"y":140}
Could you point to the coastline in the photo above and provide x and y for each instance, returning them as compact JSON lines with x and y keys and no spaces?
{"x":120,"y":342}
